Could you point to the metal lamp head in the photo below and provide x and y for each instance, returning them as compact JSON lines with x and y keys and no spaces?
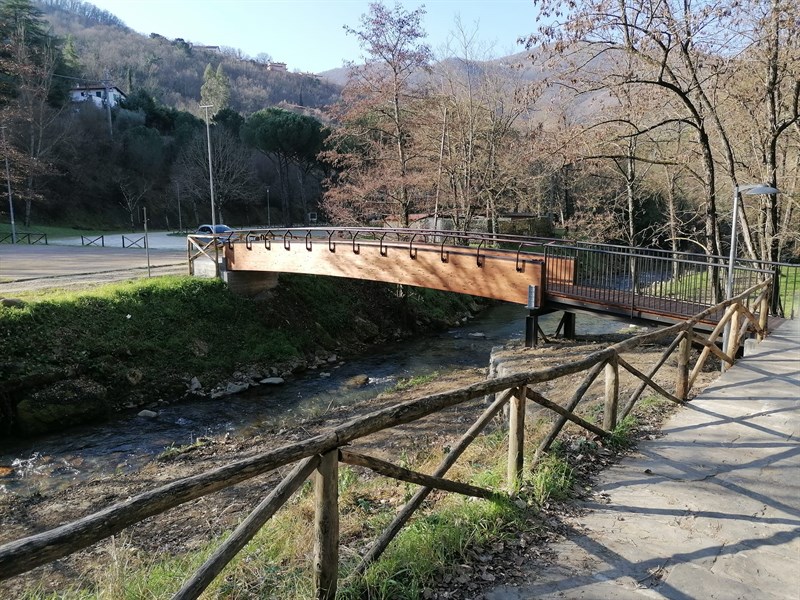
{"x":757,"y":190}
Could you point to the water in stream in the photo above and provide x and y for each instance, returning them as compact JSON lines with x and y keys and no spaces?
{"x":54,"y":461}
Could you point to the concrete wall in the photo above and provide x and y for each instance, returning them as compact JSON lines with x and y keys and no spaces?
{"x":242,"y":283}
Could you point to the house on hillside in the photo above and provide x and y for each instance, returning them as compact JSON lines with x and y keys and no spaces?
{"x":276,"y":66}
{"x":97,"y":95}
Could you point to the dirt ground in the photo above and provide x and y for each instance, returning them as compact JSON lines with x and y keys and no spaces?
{"x":194,"y":523}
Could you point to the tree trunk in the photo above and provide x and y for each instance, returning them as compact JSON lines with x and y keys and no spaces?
{"x":301,"y":182}
{"x":283,"y":183}
{"x":630,"y":192}
{"x":26,"y":219}
{"x":401,"y":155}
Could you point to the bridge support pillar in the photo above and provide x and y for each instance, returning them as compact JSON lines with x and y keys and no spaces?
{"x":531,"y":330}
{"x":249,"y":283}
{"x":241,"y":283}
{"x":569,"y":325}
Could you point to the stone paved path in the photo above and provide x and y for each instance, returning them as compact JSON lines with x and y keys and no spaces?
{"x":710,"y":510}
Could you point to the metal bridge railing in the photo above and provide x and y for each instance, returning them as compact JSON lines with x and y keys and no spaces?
{"x":638,"y":278}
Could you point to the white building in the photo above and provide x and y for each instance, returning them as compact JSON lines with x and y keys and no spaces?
{"x":97,"y":95}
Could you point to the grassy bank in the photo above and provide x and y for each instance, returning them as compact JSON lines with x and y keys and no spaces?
{"x":69,"y":357}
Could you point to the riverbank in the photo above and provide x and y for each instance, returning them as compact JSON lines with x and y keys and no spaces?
{"x":153,"y":555}
{"x":77,"y":357}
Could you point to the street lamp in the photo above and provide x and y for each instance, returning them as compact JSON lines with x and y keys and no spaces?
{"x":210,"y":171}
{"x":8,"y":186}
{"x":738,"y":191}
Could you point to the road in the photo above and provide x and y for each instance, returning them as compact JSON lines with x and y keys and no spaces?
{"x":158,"y":240}
{"x":64,"y":263}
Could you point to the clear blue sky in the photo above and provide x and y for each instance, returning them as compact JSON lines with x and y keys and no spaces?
{"x":307,"y":34}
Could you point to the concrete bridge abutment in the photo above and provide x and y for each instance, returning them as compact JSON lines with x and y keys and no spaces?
{"x":242,"y":283}
{"x":249,"y":284}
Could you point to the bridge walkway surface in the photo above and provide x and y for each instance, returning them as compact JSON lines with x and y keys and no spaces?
{"x":709,"y":510}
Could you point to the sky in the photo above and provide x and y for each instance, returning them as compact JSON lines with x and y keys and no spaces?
{"x":308,"y":35}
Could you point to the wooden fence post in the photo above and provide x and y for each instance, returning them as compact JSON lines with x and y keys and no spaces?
{"x":763,"y":316}
{"x":404,"y":514}
{"x":326,"y":526}
{"x":516,"y":438}
{"x":684,"y":353}
{"x":732,"y":341}
{"x":612,"y":394}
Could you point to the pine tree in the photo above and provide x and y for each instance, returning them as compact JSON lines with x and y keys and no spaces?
{"x":216,"y":89}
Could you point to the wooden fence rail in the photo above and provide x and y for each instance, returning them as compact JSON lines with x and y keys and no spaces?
{"x":320,"y":455}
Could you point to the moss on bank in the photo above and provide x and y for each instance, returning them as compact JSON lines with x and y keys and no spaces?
{"x":72,"y":357}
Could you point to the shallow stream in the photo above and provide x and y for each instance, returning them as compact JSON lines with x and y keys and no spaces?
{"x":49,"y":463}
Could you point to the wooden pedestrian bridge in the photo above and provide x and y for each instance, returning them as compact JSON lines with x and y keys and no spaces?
{"x":557,"y":275}
{"x":546,"y":275}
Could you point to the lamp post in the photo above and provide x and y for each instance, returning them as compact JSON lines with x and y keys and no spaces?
{"x":210,"y":170}
{"x":269,"y":219}
{"x":738,"y":191}
{"x":8,"y":186}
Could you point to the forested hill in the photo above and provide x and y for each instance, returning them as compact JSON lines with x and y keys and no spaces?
{"x":172,"y":70}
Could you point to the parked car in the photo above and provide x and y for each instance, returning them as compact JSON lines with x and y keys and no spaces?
{"x":220,"y":230}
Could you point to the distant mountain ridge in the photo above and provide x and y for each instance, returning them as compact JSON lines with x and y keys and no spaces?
{"x":172,"y":70}
{"x":528,"y":68}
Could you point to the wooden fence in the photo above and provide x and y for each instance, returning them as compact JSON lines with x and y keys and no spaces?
{"x":200,"y":249}
{"x":320,"y":455}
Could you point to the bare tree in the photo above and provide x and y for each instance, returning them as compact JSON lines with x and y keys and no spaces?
{"x":377,"y":151}
{"x":761,"y":90}
{"x":133,"y":191}
{"x":234,"y":178}
{"x":481,"y":103}
{"x":31,"y":57}
{"x":684,"y":51}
